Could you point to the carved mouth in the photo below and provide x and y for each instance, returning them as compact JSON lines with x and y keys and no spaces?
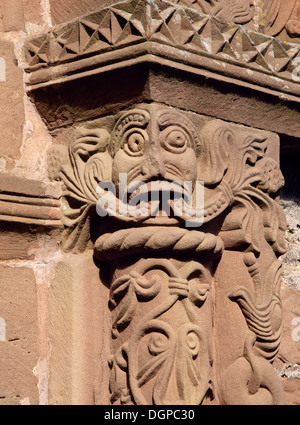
{"x":159,"y":202}
{"x":156,"y":200}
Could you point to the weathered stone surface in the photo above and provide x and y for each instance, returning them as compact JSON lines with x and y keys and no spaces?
{"x":77,"y":332}
{"x":290,"y":346}
{"x":289,"y":356}
{"x":16,"y":242}
{"x":66,"y":10}
{"x":152,"y":82}
{"x":29,"y":202}
{"x":11,"y":184}
{"x":291,"y":390}
{"x":19,"y":350}
{"x":243,"y":105}
{"x":19,"y":241}
{"x":12,"y":14}
{"x":11,"y":106}
{"x":33,"y":11}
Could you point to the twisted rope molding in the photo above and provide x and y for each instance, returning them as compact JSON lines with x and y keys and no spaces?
{"x":156,"y":238}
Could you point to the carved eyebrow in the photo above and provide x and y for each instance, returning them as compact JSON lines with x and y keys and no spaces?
{"x":168,"y":118}
{"x":135,"y":117}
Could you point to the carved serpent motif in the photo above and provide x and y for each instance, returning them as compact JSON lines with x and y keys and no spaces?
{"x":251,"y":380}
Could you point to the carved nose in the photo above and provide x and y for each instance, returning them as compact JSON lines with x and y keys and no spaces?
{"x":153,"y":168}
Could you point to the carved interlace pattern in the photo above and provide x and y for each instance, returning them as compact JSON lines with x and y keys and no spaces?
{"x":177,"y":363}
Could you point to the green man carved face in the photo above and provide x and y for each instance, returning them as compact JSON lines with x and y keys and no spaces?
{"x":155,"y":144}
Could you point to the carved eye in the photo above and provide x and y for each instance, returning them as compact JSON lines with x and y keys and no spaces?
{"x":135,"y":143}
{"x":174,"y":139}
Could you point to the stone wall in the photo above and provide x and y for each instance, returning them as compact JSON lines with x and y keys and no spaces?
{"x":35,"y":275}
{"x":290,"y":350}
{"x":29,"y":250}
{"x":53,"y":319}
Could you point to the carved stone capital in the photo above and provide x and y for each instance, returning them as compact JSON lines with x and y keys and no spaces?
{"x":168,"y":267}
{"x":165,"y":117}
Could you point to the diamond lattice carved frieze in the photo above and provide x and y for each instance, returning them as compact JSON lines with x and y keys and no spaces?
{"x":194,"y":30}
